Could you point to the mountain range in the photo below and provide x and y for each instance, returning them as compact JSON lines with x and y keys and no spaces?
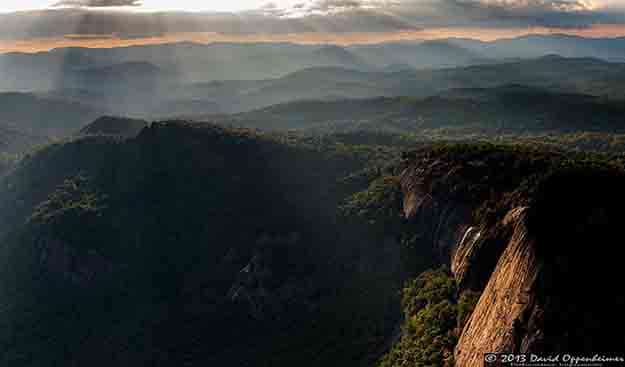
{"x":225,"y":61}
{"x":555,"y":73}
{"x":161,"y":81}
{"x":507,"y":108}
{"x":546,"y":93}
{"x":392,"y":205}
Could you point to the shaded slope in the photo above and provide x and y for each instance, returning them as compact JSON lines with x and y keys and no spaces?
{"x":188,"y":245}
{"x":116,"y":126}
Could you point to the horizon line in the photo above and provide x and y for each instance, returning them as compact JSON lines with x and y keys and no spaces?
{"x":345,"y":39}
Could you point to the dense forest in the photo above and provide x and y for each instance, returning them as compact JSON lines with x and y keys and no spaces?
{"x":115,"y":244}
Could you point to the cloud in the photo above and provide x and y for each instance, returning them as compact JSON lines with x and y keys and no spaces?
{"x":75,"y":17}
{"x":535,"y":5}
{"x":466,"y":13}
{"x":329,"y":6}
{"x":310,"y":8}
{"x":273,"y":10}
{"x":505,"y":13}
{"x":96,"y":3}
{"x":522,"y":8}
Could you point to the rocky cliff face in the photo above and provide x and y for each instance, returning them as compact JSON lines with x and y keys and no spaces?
{"x":498,"y":322}
{"x":442,"y":222}
{"x":541,"y":256}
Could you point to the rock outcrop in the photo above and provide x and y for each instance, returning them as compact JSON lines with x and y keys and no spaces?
{"x":538,"y":245}
{"x":442,"y":222}
{"x":498,"y":319}
{"x":465,"y":254}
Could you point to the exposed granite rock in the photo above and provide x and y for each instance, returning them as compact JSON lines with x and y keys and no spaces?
{"x":496,"y":322}
{"x":442,"y":222}
{"x":553,"y":290}
{"x":465,"y":253}
{"x":545,"y":257}
{"x":475,"y":256}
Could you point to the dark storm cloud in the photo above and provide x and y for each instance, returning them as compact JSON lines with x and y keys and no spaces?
{"x":97,"y":3}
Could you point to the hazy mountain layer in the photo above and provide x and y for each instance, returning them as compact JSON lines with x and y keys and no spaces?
{"x":550,"y":93}
{"x":43,"y":116}
{"x":185,"y":78}
{"x":507,"y":109}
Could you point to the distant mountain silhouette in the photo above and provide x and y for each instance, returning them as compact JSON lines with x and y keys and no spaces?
{"x":339,"y":56}
{"x":609,"y":49}
{"x":419,"y":55}
{"x":14,"y":141}
{"x":272,"y":60}
{"x":43,"y":116}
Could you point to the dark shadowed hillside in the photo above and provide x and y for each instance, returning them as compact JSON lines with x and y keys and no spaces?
{"x":196,"y":232}
{"x":115,"y":126}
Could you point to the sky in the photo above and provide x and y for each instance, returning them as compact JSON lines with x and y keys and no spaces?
{"x":34,"y":25}
{"x":152,"y":5}
{"x":239,"y":5}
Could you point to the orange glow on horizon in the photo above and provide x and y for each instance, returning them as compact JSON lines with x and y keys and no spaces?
{"x":484,"y":34}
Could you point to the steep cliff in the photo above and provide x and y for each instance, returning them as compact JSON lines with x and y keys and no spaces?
{"x":449,"y":190}
{"x":553,"y":289}
{"x":532,"y":234}
{"x":498,"y":317}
